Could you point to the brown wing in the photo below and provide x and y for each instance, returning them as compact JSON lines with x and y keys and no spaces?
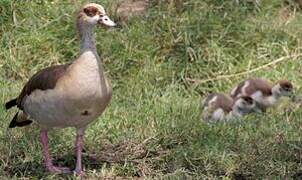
{"x":42,"y":80}
{"x":259,"y":84}
{"x":205,"y":102}
{"x":225,"y":102}
{"x":256,"y":84}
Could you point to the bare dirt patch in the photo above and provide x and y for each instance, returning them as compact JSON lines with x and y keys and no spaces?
{"x":126,"y":9}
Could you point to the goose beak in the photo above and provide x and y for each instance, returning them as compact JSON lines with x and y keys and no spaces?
{"x":106,"y":21}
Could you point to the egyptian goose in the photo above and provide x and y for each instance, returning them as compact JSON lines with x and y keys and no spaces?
{"x":221,"y":107}
{"x":69,"y":95}
{"x":263,"y":92}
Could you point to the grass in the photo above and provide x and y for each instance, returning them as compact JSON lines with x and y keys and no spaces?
{"x":157,"y":64}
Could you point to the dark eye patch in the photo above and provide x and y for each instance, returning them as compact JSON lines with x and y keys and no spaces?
{"x":287,"y":86}
{"x":248,"y":99}
{"x":90,"y":11}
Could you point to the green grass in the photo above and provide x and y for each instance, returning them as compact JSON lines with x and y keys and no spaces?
{"x":152,"y":123}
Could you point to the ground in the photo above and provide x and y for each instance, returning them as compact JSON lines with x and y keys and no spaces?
{"x":160,"y":64}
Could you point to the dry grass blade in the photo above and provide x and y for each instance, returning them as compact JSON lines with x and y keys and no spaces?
{"x":221,"y":77}
{"x":129,"y":8}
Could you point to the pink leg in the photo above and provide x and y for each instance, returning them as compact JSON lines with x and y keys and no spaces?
{"x":79,"y":148}
{"x":47,"y":158}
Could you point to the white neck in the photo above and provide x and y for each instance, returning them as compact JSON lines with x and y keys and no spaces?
{"x":87,"y":40}
{"x":87,"y":43}
{"x":276,"y":92}
{"x":233,"y":115}
{"x":236,"y":112}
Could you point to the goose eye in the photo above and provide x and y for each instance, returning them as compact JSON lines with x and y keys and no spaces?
{"x":90,"y":11}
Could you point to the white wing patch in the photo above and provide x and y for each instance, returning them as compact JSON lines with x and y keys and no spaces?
{"x":265,"y":101}
{"x":257,"y":96}
{"x":212,"y":101}
{"x":218,"y":115}
{"x":270,"y":101}
{"x":234,"y":91}
{"x":244,"y":87}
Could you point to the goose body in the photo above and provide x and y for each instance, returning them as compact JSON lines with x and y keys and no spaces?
{"x":78,"y":98}
{"x":69,"y":95}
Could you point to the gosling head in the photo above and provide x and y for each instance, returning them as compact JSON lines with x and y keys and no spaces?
{"x":94,"y":14}
{"x":283,"y":88}
{"x":244,"y":105}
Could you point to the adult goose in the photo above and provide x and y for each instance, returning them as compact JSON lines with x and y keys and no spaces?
{"x":219,"y":107}
{"x":265,"y":94}
{"x":69,"y":95}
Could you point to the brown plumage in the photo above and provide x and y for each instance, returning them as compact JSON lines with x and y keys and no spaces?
{"x":90,"y":11}
{"x":217,"y":107}
{"x":255,"y":84}
{"x":286,"y":85}
{"x":263,"y":92}
{"x":11,"y":103}
{"x":19,"y":121}
{"x":223,"y":101}
{"x":42,"y":80}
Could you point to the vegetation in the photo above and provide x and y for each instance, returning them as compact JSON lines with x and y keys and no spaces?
{"x":160,"y":64}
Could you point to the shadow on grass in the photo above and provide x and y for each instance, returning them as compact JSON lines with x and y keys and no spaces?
{"x":36,"y":169}
{"x":291,"y":151}
{"x":110,"y":154}
{"x":144,"y":161}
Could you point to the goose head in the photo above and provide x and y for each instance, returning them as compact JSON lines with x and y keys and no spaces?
{"x":94,"y":14}
{"x":283,"y":88}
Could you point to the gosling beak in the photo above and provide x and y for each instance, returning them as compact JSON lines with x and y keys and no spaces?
{"x":106,"y":21}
